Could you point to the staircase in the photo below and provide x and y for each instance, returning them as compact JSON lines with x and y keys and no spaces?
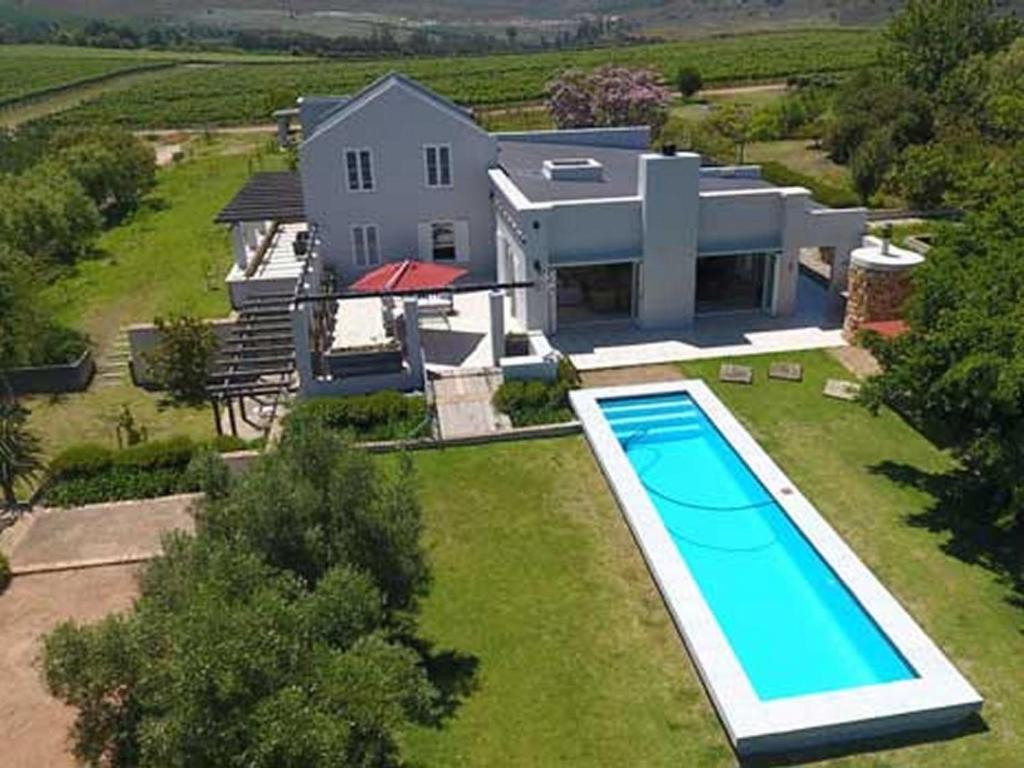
{"x":112,"y":369}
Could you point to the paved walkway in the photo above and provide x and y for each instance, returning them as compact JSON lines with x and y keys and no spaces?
{"x":464,"y":404}
{"x":55,"y":539}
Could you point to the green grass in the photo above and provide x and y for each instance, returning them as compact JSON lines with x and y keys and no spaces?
{"x":170,"y":256}
{"x":239,"y":94}
{"x":537,"y":577}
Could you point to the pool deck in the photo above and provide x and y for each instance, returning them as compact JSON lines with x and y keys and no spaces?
{"x":939,"y":695}
{"x":817,"y":323}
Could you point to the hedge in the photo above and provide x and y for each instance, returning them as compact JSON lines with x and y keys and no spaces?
{"x":528,"y":403}
{"x":90,"y":473}
{"x":384,"y":415}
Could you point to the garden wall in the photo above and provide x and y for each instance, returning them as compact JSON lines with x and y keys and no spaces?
{"x":52,"y":379}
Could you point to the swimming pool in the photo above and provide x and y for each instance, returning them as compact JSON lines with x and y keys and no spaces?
{"x":797,"y":642}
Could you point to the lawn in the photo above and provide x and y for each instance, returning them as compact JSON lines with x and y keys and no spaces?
{"x":169,"y":257}
{"x":801,"y":156}
{"x":538,"y":584}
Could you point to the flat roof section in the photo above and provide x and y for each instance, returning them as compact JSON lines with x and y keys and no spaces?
{"x":523,"y":163}
{"x":266,"y":196}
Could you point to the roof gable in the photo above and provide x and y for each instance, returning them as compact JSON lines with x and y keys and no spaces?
{"x":384,"y":84}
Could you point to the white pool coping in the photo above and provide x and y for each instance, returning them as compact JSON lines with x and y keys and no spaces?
{"x":939,"y":695}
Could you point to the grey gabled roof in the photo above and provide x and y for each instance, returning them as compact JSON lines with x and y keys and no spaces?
{"x":387,"y":81}
{"x":266,"y":196}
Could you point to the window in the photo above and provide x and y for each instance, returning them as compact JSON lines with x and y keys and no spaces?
{"x":359,"y":166}
{"x":439,"y":165}
{"x":365,"y":245}
{"x":442,"y":240}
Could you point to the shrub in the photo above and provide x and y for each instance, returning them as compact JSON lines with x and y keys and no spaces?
{"x":379,"y":416}
{"x":689,"y":81}
{"x":181,"y":361}
{"x":822,"y":191}
{"x":208,"y":473}
{"x":530,"y":403}
{"x":90,"y":474}
{"x":5,"y":573}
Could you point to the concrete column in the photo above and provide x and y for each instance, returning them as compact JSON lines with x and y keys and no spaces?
{"x":539,"y":316}
{"x":670,"y":210}
{"x":413,"y":344}
{"x":793,"y":216}
{"x":238,"y":246}
{"x":497,"y":302}
{"x":303,"y":352}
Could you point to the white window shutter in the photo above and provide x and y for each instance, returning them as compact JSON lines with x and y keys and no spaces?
{"x":462,"y":241}
{"x":425,"y":241}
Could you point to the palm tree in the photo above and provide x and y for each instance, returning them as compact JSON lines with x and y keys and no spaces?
{"x":20,"y":452}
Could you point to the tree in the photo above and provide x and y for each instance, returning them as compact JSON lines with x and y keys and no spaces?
{"x":20,"y":449}
{"x":114,"y":168}
{"x":608,"y":97}
{"x":261,"y":641}
{"x":181,"y":360}
{"x":45,"y":213}
{"x":928,"y":39}
{"x":689,"y":81}
{"x":733,"y":122}
{"x":871,"y":162}
{"x":959,"y":371}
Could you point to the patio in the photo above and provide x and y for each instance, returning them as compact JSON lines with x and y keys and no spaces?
{"x":816,"y":324}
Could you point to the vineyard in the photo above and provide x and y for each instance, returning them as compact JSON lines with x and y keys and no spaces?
{"x":229,"y":94}
{"x":22,"y":75}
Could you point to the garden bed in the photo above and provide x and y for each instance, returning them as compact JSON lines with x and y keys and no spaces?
{"x":384,"y":415}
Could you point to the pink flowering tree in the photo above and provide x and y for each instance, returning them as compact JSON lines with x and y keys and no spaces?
{"x":608,"y":97}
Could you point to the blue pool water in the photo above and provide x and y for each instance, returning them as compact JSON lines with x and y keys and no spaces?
{"x":793,"y":625}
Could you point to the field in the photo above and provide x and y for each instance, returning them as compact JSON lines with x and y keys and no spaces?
{"x":23,"y":75}
{"x":540,"y":590}
{"x":235,"y":94}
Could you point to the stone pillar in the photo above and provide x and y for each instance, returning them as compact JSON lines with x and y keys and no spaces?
{"x":413,"y":344}
{"x":880,"y":282}
{"x":497,"y":306}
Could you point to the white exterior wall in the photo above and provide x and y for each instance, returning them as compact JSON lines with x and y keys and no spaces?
{"x":670,"y":213}
{"x":395,"y":124}
{"x":592,"y":231}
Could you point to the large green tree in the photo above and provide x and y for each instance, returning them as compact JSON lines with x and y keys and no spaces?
{"x":278,"y":636}
{"x":959,"y":372}
{"x":928,"y":39}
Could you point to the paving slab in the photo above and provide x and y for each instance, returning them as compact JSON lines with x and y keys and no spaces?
{"x":736,"y":374}
{"x":841,"y":390}
{"x":786,"y":371}
{"x":34,"y":725}
{"x":464,"y":405}
{"x":53,"y":539}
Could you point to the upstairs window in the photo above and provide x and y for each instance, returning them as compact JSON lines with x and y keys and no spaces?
{"x":359,"y":166}
{"x":442,"y":240}
{"x":365,"y":245}
{"x":439,"y":165}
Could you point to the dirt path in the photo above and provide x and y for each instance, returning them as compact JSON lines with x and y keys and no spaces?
{"x":33,"y":725}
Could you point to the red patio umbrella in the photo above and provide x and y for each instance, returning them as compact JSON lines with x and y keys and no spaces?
{"x":408,"y":275}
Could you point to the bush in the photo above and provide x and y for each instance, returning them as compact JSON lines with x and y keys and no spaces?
{"x":181,"y":361}
{"x":689,"y":81}
{"x":90,"y":474}
{"x":382,"y":415}
{"x":208,"y":472}
{"x":5,"y":573}
{"x":822,"y":191}
{"x":530,"y":403}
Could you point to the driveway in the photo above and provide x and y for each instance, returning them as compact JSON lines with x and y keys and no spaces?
{"x":78,"y":564}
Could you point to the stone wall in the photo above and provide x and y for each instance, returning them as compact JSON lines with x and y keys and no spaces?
{"x":874,"y":295}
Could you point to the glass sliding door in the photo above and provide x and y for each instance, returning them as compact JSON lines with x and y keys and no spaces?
{"x":735,"y":282}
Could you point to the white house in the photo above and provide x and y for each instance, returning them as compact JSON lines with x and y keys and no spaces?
{"x":600,"y":226}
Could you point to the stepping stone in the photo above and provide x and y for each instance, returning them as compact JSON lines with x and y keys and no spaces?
{"x":786,"y":371}
{"x":736,"y":374}
{"x":841,"y":390}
